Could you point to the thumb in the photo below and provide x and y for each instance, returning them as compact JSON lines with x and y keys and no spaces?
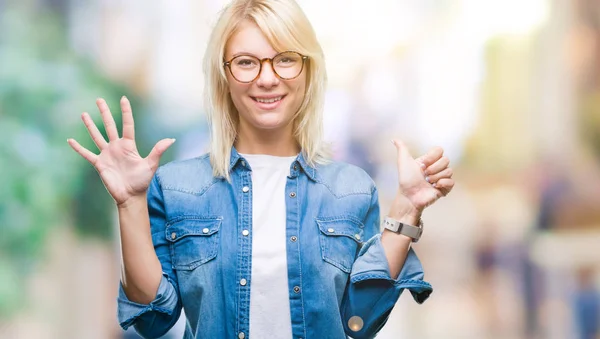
{"x":157,"y":151}
{"x":404,"y":156}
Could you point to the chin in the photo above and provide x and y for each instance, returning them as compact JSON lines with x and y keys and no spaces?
{"x":269,"y":120}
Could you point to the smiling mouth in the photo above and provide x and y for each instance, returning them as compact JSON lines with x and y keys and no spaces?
{"x":268,"y":100}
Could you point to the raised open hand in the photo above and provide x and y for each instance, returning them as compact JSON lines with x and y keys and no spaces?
{"x":123,"y":171}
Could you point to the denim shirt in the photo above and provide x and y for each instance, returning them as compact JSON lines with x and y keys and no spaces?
{"x":338,"y":274}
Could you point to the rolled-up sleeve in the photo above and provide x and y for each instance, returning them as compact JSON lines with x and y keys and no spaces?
{"x":158,"y":317}
{"x":372,"y":292}
{"x":162,"y":307}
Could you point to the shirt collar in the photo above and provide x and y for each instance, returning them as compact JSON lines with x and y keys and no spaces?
{"x":310,"y":171}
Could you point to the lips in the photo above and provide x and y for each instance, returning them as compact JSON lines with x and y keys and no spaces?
{"x":268,"y":102}
{"x":267,"y":99}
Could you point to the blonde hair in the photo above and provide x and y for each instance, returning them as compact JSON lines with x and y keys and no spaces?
{"x":286,"y":27}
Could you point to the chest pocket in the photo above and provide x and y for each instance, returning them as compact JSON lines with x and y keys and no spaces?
{"x":340,"y":239}
{"x":194,"y":241}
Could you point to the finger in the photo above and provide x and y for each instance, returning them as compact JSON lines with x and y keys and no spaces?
{"x":157,"y":151}
{"x":433,"y":178}
{"x":128,"y":126}
{"x":431,"y":157}
{"x":93,"y":131}
{"x":438,"y":166}
{"x":84,"y":152}
{"x":109,"y":122}
{"x":444,"y":185}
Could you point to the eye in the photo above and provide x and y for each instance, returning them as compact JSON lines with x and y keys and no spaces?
{"x":245,"y":62}
{"x":287,"y":60}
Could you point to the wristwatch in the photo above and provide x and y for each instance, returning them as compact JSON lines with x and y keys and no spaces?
{"x":410,"y":231}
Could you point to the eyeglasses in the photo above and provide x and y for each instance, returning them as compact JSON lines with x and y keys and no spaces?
{"x":286,"y":65}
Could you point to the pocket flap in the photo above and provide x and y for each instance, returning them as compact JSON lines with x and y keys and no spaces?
{"x":192,"y":226}
{"x":341,"y":226}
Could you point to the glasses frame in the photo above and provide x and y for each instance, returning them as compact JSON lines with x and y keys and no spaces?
{"x":261,"y":62}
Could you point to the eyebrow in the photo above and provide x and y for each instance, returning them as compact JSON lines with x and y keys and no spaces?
{"x":250,"y":54}
{"x":243,"y":53}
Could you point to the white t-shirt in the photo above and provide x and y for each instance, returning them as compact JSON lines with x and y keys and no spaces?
{"x":269,"y":290}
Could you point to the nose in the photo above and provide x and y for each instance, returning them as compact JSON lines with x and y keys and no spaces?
{"x":267,"y":77}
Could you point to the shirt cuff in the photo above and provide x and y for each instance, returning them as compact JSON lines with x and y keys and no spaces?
{"x":165,"y":302}
{"x":372,"y":264}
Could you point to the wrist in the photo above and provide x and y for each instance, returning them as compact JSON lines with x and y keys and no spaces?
{"x":133,"y":202}
{"x":412,"y":231}
{"x":407,"y":219}
{"x":404,"y":211}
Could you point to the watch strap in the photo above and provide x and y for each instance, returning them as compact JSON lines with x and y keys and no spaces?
{"x":410,"y":231}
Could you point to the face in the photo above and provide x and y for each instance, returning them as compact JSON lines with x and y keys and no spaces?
{"x":267,"y":103}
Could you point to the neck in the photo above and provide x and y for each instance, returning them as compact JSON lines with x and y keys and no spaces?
{"x":277,"y":142}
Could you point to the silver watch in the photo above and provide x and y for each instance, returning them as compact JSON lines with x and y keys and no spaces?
{"x":410,"y":231}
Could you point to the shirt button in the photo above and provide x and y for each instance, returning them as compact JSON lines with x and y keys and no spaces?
{"x":243,"y":282}
{"x":241,"y":335}
{"x":357,"y":236}
{"x":206,"y":230}
{"x":293,"y":194}
{"x":243,"y":163}
{"x":245,"y":232}
{"x":245,"y":189}
{"x":173,"y":235}
{"x":355,"y":323}
{"x":296,"y":289}
{"x":330,"y":230}
{"x":295,"y":167}
{"x":293,"y":238}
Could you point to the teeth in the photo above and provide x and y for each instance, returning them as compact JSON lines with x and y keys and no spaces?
{"x":268,"y":101}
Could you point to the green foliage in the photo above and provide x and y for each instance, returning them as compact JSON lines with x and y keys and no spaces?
{"x":44,"y":87}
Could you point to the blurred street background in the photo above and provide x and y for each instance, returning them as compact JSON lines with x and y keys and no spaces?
{"x":509,"y":88}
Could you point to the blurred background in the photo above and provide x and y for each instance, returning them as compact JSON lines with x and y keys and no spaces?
{"x":510,"y":89}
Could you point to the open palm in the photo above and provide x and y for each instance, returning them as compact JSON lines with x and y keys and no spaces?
{"x":123,"y":171}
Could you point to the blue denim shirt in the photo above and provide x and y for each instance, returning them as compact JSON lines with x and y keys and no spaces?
{"x":337,"y":270}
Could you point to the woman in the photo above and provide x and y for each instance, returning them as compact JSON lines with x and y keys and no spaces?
{"x":263,"y":237}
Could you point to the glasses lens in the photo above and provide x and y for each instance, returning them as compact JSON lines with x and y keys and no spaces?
{"x":245,"y":68}
{"x":288,"y":65}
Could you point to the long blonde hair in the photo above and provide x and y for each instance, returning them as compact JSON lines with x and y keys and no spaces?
{"x":286,"y":27}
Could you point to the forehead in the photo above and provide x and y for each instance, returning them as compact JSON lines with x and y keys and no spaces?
{"x":249,"y":39}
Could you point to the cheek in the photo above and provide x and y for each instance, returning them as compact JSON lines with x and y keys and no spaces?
{"x":299,"y":93}
{"x":302,"y":84}
{"x":237,"y":92}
